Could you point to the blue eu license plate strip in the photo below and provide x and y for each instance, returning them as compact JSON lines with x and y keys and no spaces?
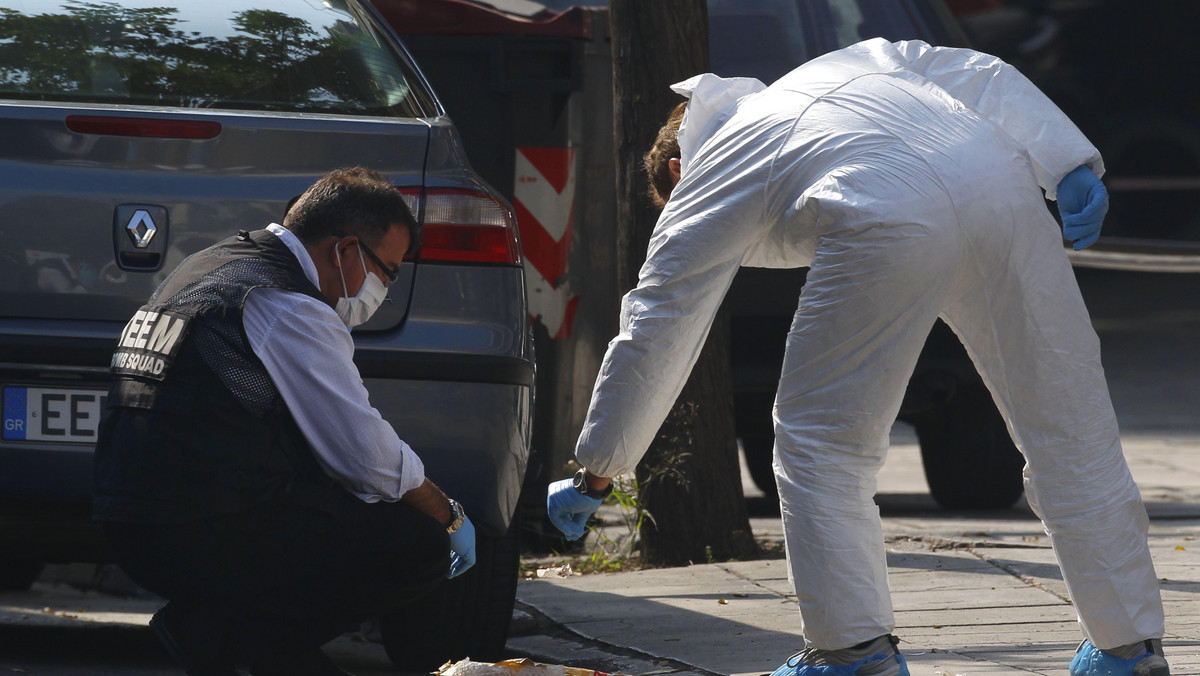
{"x":55,"y":414}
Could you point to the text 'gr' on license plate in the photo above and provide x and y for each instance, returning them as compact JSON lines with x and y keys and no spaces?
{"x":52,"y":414}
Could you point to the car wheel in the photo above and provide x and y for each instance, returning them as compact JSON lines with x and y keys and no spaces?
{"x":970,"y":459}
{"x":18,"y":575}
{"x":466,"y":616}
{"x":756,"y":430}
{"x":759,"y":451}
{"x":1145,"y":153}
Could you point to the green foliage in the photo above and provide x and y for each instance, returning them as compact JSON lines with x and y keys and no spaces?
{"x":103,"y":52}
{"x":667,"y":460}
{"x":612,"y":548}
{"x":609,"y":549}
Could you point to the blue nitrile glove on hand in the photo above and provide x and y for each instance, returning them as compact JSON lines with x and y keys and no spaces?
{"x":1082,"y":204}
{"x":569,"y":509}
{"x":462,"y":548}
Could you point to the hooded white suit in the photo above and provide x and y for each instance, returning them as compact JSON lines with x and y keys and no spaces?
{"x":907,"y":177}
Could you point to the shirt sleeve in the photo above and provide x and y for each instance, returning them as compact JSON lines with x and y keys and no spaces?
{"x":1002,"y":94}
{"x":309,"y":355}
{"x":713,"y":218}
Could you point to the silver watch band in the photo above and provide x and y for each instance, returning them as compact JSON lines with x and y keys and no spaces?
{"x":457,"y":516}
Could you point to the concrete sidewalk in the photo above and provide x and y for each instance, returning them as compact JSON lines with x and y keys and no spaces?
{"x":973,"y":595}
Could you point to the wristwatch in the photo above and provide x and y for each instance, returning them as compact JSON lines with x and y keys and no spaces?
{"x":580,"y":483}
{"x":457,"y":517}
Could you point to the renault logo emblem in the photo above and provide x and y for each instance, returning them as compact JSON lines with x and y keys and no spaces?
{"x":141,"y":228}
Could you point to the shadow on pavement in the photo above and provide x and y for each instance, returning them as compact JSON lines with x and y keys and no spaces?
{"x":86,"y":650}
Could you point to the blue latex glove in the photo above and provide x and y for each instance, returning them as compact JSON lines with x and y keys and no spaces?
{"x":462,"y":548}
{"x":1082,"y":204}
{"x":569,"y":509}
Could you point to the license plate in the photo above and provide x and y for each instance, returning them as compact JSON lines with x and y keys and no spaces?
{"x":52,"y":414}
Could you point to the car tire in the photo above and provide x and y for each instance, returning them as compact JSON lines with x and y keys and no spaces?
{"x":969,"y":457}
{"x":467,"y":616}
{"x":759,"y":452}
{"x":18,"y":575}
{"x":755,"y":428}
{"x":1152,"y":145}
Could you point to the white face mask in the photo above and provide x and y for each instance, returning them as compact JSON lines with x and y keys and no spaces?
{"x":357,"y":309}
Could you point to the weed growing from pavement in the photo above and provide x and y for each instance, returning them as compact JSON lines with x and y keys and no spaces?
{"x":616,"y":548}
{"x":611,"y":544}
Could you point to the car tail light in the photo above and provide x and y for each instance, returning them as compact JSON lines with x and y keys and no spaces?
{"x":141,"y":126}
{"x":466,"y":226}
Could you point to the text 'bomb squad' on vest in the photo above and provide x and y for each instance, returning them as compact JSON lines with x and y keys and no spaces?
{"x":148,"y":342}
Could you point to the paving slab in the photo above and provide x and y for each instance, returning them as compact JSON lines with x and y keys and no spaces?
{"x":559,"y":649}
{"x":974,"y":595}
{"x":61,"y":605}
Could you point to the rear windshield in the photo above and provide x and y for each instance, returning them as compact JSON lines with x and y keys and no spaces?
{"x":767,"y":38}
{"x":309,"y":56}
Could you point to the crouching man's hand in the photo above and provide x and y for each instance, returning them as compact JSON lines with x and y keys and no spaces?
{"x":430,"y":499}
{"x":462,"y":547}
{"x":571,"y":501}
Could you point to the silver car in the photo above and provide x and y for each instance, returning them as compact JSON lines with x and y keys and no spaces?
{"x":133,"y":134}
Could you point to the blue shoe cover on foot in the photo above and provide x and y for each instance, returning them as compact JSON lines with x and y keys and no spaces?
{"x":793,"y":667}
{"x":1092,"y":661}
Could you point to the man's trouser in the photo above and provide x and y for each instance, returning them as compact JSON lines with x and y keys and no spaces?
{"x":280,"y":579}
{"x":990,"y":262}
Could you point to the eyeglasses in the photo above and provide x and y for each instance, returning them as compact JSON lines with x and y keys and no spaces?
{"x":387,"y":271}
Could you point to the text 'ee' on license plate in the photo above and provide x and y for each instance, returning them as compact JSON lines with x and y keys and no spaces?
{"x":57,"y":414}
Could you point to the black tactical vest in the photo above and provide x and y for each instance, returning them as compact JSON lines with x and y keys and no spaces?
{"x":194,"y":427}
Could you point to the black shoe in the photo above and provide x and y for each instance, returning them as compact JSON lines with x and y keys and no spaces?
{"x":192,"y":640}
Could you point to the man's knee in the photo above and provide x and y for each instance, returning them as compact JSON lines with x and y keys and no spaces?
{"x":407,"y":545}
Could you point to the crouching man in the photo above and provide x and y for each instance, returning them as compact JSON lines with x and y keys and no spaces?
{"x":241,"y":472}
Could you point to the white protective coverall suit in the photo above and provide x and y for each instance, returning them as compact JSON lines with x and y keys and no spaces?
{"x":907,"y":177}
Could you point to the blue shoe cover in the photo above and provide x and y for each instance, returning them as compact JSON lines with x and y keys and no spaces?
{"x":1092,"y":661}
{"x":793,"y":667}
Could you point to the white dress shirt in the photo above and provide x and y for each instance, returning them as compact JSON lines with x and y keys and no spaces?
{"x":309,"y":354}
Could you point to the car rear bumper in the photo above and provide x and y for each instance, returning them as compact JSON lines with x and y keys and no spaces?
{"x":472,"y":437}
{"x":1140,"y":255}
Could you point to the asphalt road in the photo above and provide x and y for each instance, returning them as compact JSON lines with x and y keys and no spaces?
{"x":72,"y":652}
{"x":1149,"y":326}
{"x":61,"y":635}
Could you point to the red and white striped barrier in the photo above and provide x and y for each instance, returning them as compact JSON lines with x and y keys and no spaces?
{"x":544,"y":202}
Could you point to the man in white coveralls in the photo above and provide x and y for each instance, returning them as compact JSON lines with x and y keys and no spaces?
{"x":910,"y":179}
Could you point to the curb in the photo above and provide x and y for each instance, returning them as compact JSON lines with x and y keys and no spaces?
{"x":551,"y":643}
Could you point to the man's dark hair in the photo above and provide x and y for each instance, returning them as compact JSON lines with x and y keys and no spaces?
{"x":354,"y":201}
{"x":660,"y":182}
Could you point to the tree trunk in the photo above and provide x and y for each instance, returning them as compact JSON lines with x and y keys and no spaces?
{"x":689,"y":481}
